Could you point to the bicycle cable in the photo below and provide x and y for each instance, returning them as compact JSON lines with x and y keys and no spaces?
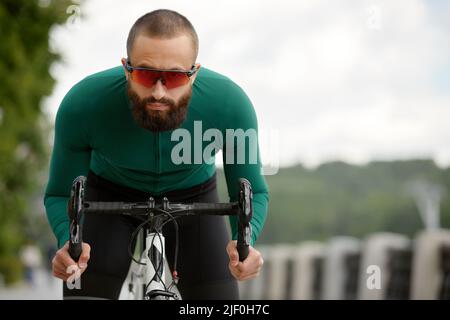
{"x":175,"y":277}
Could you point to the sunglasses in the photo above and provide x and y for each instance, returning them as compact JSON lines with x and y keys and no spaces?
{"x":169,"y":78}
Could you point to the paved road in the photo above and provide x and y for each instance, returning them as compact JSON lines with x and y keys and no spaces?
{"x":45,"y":288}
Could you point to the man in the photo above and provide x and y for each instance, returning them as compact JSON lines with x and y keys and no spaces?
{"x":117,"y":127}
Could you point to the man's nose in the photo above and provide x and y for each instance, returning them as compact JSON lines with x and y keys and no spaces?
{"x":158,"y":90}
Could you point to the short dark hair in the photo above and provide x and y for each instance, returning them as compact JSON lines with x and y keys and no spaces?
{"x":162,"y":24}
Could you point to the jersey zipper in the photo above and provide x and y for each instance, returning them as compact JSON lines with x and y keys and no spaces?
{"x":158,"y":171}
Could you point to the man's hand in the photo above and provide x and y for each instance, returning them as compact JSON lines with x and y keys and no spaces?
{"x":62,"y":261}
{"x":247,"y":269}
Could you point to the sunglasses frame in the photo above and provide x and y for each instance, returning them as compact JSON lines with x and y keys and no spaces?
{"x":189,"y":73}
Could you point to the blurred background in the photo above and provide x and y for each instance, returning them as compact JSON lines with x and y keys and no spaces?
{"x":353,"y":104}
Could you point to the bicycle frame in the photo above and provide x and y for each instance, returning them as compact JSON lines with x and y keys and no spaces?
{"x":152,"y":273}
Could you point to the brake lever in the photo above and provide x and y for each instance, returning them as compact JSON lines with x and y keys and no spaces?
{"x":75,"y":210}
{"x":245,"y":216}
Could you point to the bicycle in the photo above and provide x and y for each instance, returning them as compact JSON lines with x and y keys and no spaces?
{"x":146,"y":278}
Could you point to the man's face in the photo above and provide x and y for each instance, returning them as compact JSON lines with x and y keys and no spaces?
{"x":158,"y":108}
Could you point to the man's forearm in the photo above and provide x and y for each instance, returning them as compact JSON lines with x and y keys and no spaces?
{"x":56,"y":208}
{"x":260,"y":207}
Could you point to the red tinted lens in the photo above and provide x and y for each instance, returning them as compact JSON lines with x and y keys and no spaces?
{"x":175,"y":79}
{"x":148,"y":78}
{"x":145,"y":77}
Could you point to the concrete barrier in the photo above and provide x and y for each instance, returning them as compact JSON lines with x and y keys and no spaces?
{"x":341,"y":268}
{"x":376,"y":264}
{"x":278,"y":274}
{"x":430,"y":265}
{"x":256,"y":289}
{"x":307,"y":262}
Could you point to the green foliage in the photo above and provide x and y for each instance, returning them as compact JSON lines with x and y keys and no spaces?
{"x":25,"y":60}
{"x":341,"y":199}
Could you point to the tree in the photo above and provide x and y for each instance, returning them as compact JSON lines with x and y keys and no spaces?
{"x":25,"y":60}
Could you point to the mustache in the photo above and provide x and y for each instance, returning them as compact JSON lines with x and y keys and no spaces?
{"x":136,"y":101}
{"x":151,"y":100}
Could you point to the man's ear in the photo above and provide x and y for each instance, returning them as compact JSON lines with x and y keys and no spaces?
{"x":197,"y":66}
{"x":124,"y":62}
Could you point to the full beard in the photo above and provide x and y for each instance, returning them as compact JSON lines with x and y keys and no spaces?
{"x":158,"y":120}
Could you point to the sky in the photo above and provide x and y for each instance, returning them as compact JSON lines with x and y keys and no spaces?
{"x":353,"y":81}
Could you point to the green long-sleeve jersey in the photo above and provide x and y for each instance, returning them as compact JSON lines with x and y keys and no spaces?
{"x":95,"y":130}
